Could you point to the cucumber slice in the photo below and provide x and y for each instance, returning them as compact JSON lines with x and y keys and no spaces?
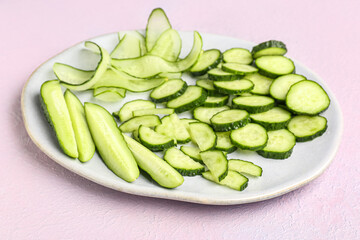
{"x":237,"y":55}
{"x":57,"y":114}
{"x":237,"y":68}
{"x":169,"y":90}
{"x":234,"y":86}
{"x":135,"y":122}
{"x":216,"y":162}
{"x":126,"y":111}
{"x":281,"y":85}
{"x":202,"y":135}
{"x":274,"y":66}
{"x":109,"y":94}
{"x":209,"y":59}
{"x":306,"y":128}
{"x":193,"y":152}
{"x":269,"y":48}
{"x":307,"y":97}
{"x":261,"y":83}
{"x":218,"y":74}
{"x":193,"y":96}
{"x":208,"y":85}
{"x":216,"y":101}
{"x":157,"y":23}
{"x":166,"y":128}
{"x":155,"y":111}
{"x":183,"y":163}
{"x":174,"y":128}
{"x":223,"y":142}
{"x":129,"y":46}
{"x":233,"y":180}
{"x":181,"y":133}
{"x":153,"y":140}
{"x":204,"y":114}
{"x":229,"y":120}
{"x":69,"y":82}
{"x":149,"y":65}
{"x":273,"y":119}
{"x":245,"y":167}
{"x":167,"y":46}
{"x":250,"y":137}
{"x":186,"y":122}
{"x":110,"y":143}
{"x":156,"y":167}
{"x":84,"y":141}
{"x":280,"y":144}
{"x":253,"y":104}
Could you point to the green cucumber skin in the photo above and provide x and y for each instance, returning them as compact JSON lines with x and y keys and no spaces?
{"x":271,"y":75}
{"x":218,"y":104}
{"x":204,"y":71}
{"x":268,"y":44}
{"x":157,"y":148}
{"x":190,"y":173}
{"x":252,"y":109}
{"x":311,"y":137}
{"x":230,"y":126}
{"x":227,"y":150}
{"x":194,"y":104}
{"x":171,"y":97}
{"x":68,"y":146}
{"x":271,"y":126}
{"x":197,"y":159}
{"x":275,"y":155}
{"x":233,"y":92}
{"x":243,"y":147}
{"x":225,"y":77}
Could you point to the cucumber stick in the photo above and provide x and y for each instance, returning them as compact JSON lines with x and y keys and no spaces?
{"x":56,"y":112}
{"x":84,"y":141}
{"x":110,"y":143}
{"x":156,"y":167}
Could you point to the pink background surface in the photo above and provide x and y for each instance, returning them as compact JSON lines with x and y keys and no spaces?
{"x":41,"y":200}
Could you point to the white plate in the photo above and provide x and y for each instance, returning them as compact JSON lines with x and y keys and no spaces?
{"x":307,"y":162}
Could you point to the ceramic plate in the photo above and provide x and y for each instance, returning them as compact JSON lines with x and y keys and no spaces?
{"x":307,"y":161}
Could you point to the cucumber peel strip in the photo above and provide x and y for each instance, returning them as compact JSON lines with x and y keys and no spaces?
{"x":149,"y":65}
{"x":101,"y":68}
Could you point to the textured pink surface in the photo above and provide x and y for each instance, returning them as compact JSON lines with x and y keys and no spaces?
{"x":41,"y":200}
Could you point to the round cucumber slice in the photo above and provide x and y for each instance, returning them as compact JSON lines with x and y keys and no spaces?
{"x":307,"y":97}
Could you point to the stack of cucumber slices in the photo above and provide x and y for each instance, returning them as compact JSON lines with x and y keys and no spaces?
{"x":240,"y":100}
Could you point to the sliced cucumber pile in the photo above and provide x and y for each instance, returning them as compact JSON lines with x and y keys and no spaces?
{"x":240,"y":99}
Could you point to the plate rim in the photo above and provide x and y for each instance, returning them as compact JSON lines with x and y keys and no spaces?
{"x":180,"y":196}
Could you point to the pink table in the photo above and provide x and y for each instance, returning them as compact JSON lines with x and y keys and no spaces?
{"x":41,"y":200}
